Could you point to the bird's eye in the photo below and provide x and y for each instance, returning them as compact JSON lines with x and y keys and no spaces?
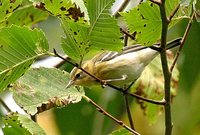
{"x":78,"y":75}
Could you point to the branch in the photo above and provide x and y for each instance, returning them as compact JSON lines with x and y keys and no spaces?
{"x":174,"y":12}
{"x":101,"y":110}
{"x":5,"y":105}
{"x":183,"y":41}
{"x":129,"y":112}
{"x":121,"y":8}
{"x":110,"y":85}
{"x":165,"y":69}
{"x":128,"y":34}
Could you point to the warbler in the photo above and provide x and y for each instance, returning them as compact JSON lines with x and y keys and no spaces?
{"x":117,"y":68}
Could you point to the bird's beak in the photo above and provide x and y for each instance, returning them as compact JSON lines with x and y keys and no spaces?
{"x":70,"y":83}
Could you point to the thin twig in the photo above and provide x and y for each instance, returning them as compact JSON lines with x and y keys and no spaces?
{"x":125,"y":40}
{"x":128,"y":34}
{"x":121,"y":8}
{"x":129,"y":112}
{"x":165,"y":69}
{"x":101,"y":110}
{"x":183,"y":41}
{"x":5,"y":105}
{"x":110,"y":85}
{"x":174,"y":12}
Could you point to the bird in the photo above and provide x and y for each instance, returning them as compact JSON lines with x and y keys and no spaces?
{"x":117,"y":68}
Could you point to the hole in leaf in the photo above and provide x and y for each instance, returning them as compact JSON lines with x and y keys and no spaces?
{"x":12,"y":1}
{"x":63,"y":8}
{"x":145,"y":25}
{"x":142,"y":16}
{"x":75,"y":33}
{"x":151,"y":4}
{"x":32,"y":17}
{"x":4,"y":79}
{"x":1,"y":46}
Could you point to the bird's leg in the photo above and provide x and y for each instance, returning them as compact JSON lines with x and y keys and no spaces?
{"x":124,"y":77}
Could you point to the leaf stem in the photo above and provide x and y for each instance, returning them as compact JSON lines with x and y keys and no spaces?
{"x":182,"y":41}
{"x":101,"y":110}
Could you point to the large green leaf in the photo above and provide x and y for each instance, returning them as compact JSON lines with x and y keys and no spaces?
{"x":76,"y":43}
{"x":25,"y":16}
{"x":19,"y":47}
{"x":7,"y":7}
{"x":17,"y":124}
{"x":104,"y":32}
{"x":101,"y":33}
{"x":44,"y":88}
{"x":146,"y":21}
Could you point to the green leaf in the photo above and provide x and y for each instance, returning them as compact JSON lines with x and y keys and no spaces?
{"x":19,"y":47}
{"x":146,"y":21}
{"x":18,"y":124}
{"x":58,"y":7}
{"x":7,"y":7}
{"x":122,"y":131}
{"x":25,"y":16}
{"x":44,"y":88}
{"x":104,"y":32}
{"x":76,"y":43}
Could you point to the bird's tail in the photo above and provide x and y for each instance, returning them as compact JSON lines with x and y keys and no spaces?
{"x":173,"y":43}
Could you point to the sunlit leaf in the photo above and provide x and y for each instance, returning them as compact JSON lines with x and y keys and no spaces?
{"x":44,"y":88}
{"x":19,"y":47}
{"x":58,"y":7}
{"x":18,"y":124}
{"x":104,"y":32}
{"x":145,"y":20}
{"x":7,"y":7}
{"x":25,"y":16}
{"x":75,"y":43}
